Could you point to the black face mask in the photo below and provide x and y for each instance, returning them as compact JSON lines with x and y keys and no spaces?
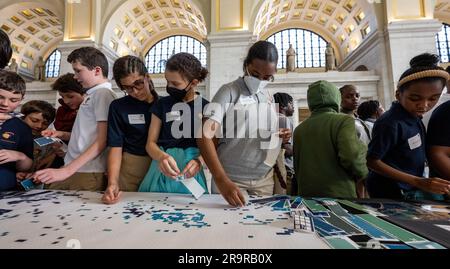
{"x":177,"y":94}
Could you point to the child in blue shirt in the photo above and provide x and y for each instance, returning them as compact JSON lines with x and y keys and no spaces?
{"x":174,"y":125}
{"x":128,"y":123}
{"x":16,"y":140}
{"x":397,"y":152}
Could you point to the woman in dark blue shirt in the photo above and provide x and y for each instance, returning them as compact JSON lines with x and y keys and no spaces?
{"x":397,"y":152}
{"x":128,"y":122}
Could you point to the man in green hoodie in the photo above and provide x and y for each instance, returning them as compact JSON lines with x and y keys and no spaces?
{"x":328,"y":156}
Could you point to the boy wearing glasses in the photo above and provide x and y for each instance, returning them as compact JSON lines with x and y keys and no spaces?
{"x":85,"y":161}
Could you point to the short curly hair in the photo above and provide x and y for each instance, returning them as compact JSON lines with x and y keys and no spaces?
{"x":37,"y":106}
{"x":12,"y":82}
{"x":367,"y":109}
{"x":67,"y":83}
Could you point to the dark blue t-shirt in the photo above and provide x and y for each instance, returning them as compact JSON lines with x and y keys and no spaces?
{"x":14,"y":135}
{"x":399,"y":141}
{"x":173,"y":114}
{"x":439,"y":129}
{"x":128,"y":123}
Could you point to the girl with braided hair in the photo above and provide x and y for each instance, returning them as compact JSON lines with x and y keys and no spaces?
{"x":128,"y":122}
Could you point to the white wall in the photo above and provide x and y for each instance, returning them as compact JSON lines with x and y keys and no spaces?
{"x":42,"y":90}
{"x":296,"y":84}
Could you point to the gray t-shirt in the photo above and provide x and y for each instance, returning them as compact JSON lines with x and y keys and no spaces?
{"x":244,"y":155}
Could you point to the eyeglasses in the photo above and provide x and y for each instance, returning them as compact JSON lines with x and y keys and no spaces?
{"x":138,"y":85}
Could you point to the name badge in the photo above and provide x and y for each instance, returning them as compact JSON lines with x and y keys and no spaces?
{"x":173,"y":116}
{"x":136,"y":119}
{"x":247,"y":100}
{"x":415,"y":142}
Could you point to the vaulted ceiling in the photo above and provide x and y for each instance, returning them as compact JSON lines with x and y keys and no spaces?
{"x":442,"y":11}
{"x":133,"y":26}
{"x":34,"y":29}
{"x":344,"y":23}
{"x":137,"y":24}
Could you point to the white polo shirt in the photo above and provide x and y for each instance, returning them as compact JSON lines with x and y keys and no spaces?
{"x":94,"y":109}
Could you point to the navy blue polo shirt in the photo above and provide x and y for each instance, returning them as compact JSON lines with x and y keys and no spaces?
{"x":399,"y":141}
{"x":128,"y":123}
{"x":14,"y":135}
{"x":439,"y":128}
{"x":174,"y":114}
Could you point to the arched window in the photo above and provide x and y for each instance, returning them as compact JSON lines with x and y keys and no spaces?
{"x":158,"y":55}
{"x":310,"y":47}
{"x":53,"y":64}
{"x":443,"y":43}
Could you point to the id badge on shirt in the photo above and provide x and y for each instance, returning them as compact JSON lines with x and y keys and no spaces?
{"x":173,"y":116}
{"x":247,"y":100}
{"x":415,"y":142}
{"x":136,"y":119}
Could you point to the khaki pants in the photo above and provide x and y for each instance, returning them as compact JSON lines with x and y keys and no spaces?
{"x":263,"y":187}
{"x":82,"y":182}
{"x":132,"y":171}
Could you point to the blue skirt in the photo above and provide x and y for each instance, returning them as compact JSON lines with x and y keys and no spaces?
{"x":156,"y":181}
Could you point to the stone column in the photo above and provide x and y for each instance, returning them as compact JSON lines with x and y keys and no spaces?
{"x":227,"y":52}
{"x":228,"y":42}
{"x":410,"y":30}
{"x":407,"y":39}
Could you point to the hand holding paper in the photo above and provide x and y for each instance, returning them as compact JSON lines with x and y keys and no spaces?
{"x":168,"y":166}
{"x":192,"y":168}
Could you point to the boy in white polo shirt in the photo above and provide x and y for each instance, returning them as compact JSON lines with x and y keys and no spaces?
{"x":85,"y":161}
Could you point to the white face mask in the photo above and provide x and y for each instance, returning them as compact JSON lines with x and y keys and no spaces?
{"x":255,"y":85}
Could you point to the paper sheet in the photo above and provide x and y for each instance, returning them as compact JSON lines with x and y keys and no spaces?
{"x":194,"y":187}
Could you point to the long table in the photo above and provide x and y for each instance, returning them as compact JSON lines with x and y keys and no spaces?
{"x":57,"y":219}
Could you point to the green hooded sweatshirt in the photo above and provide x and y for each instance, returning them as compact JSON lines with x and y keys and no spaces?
{"x":328,"y":156}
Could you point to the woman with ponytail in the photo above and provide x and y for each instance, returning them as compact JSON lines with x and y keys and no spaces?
{"x":176,"y":119}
